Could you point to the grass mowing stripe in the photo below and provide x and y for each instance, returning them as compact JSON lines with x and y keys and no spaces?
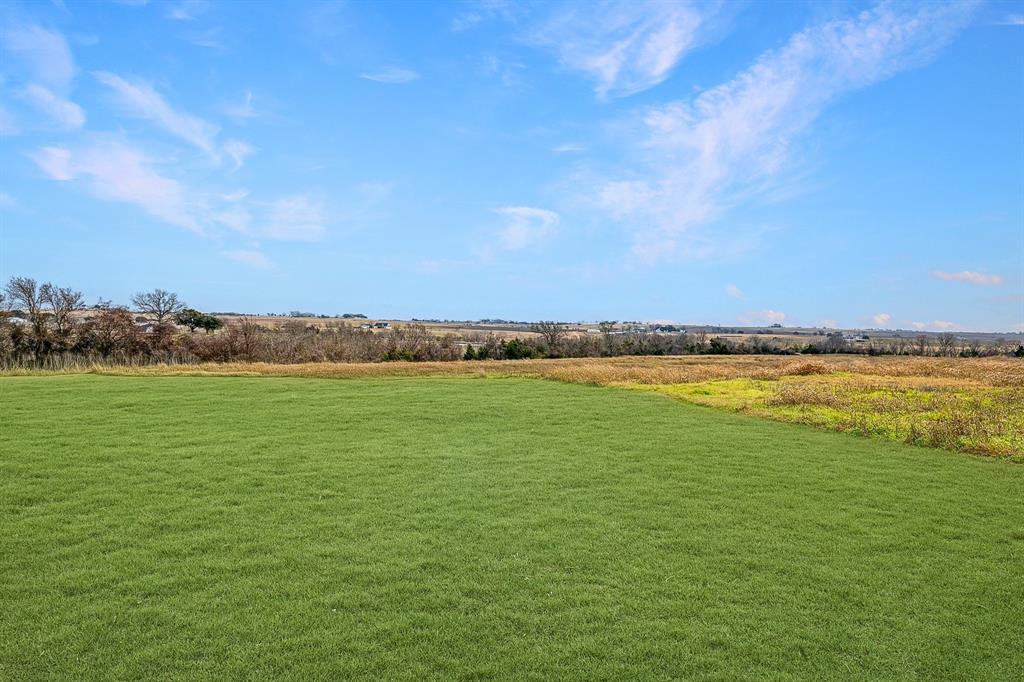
{"x":191,"y":528}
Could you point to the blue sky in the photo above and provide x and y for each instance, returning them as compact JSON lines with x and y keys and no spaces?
{"x":845,"y":164}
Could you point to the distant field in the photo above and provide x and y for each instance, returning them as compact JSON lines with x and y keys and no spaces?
{"x":404,"y":528}
{"x":969,"y":404}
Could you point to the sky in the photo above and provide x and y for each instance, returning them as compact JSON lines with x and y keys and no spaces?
{"x":742,"y":163}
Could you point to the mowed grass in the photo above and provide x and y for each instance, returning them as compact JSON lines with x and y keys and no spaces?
{"x":284,"y":528}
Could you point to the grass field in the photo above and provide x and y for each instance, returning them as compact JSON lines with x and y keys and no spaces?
{"x":972,"y":405}
{"x":411,"y":528}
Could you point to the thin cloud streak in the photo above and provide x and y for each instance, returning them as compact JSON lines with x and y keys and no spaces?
{"x":391,"y":75}
{"x":969,"y":277}
{"x":625,"y":47}
{"x":140,"y":100}
{"x":63,"y":112}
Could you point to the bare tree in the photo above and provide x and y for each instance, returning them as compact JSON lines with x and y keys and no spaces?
{"x":701,"y":338}
{"x":922,"y":344}
{"x":947,"y":344}
{"x":27,"y":295}
{"x":158,"y":303}
{"x":63,"y":302}
{"x":113,"y":331}
{"x":552,"y":332}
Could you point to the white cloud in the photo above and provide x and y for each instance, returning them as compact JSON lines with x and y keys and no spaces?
{"x":65,"y":113}
{"x":763,"y":317}
{"x":626,"y":46}
{"x":6,"y":200}
{"x":45,"y":53}
{"x":392,"y":75}
{"x":1013,"y":20}
{"x":881,"y":319}
{"x":250,"y":257}
{"x":187,"y":10}
{"x":567,"y":149}
{"x":525,"y":226}
{"x":55,"y":162}
{"x":140,"y":100}
{"x":735,"y":141}
{"x":296,"y":218}
{"x":969,"y":277}
{"x":733,"y":291}
{"x":941,"y":325}
{"x":237,"y":151}
{"x":207,"y":37}
{"x":483,"y":10}
{"x":118,"y":172}
{"x":237,"y":195}
{"x":235,"y":217}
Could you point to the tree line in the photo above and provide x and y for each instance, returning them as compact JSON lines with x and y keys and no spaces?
{"x":43,"y":324}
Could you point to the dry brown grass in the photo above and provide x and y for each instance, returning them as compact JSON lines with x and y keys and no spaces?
{"x":993,"y":371}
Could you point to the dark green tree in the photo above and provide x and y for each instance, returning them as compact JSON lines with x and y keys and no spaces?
{"x":193,"y":319}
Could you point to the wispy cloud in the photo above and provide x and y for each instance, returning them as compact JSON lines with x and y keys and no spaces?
{"x":392,"y":75}
{"x":45,"y":53}
{"x":110,"y":169}
{"x":567,"y":149}
{"x":763,"y":317}
{"x":140,"y":100}
{"x":250,"y":257}
{"x":115,"y":171}
{"x":242,"y":111}
{"x":187,"y":10}
{"x":969,"y":277}
{"x":734,"y":291}
{"x":735,"y":141}
{"x":940,"y":325}
{"x":47,"y":70}
{"x":210,"y":38}
{"x":625,"y":46}
{"x":237,"y":151}
{"x":881,"y":319}
{"x":63,"y":112}
{"x":475,"y":13}
{"x":297,"y":218}
{"x":525,"y":226}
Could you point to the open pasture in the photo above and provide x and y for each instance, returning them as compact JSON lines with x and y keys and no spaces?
{"x":411,"y":528}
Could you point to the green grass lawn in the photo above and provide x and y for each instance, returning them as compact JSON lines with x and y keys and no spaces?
{"x":211,"y":528}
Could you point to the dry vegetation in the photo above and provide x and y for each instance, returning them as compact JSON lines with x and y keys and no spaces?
{"x":968,"y":404}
